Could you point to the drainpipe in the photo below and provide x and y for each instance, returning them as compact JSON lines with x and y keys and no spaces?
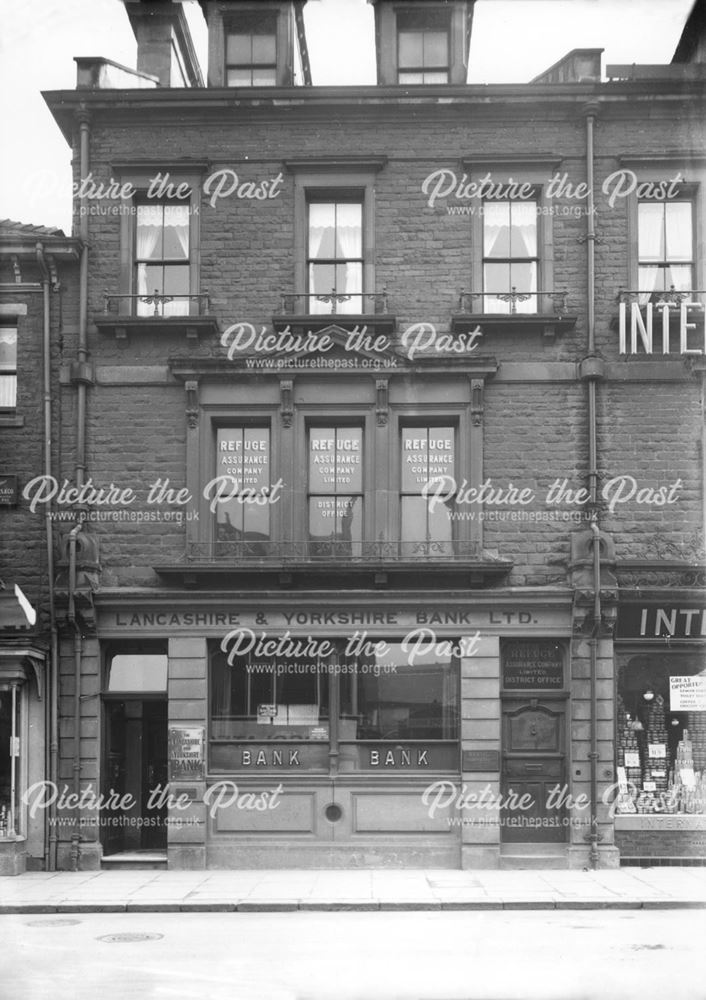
{"x":82,"y":358}
{"x":52,"y":688}
{"x":76,"y":835}
{"x":84,"y":138}
{"x":592,"y":370}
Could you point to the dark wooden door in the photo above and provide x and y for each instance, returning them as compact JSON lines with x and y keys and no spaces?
{"x":533,"y":770}
{"x":154,"y":774}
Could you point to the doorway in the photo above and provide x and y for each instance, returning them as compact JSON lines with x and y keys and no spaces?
{"x":135,"y":768}
{"x":534,"y":766}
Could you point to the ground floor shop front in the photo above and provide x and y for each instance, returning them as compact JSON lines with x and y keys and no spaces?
{"x":388,"y":730}
{"x":405,"y":730}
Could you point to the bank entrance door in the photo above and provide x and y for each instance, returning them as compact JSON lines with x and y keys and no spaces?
{"x":135,"y":767}
{"x":533,"y":768}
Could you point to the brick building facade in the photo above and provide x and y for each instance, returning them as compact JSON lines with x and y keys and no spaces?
{"x":406,"y":382}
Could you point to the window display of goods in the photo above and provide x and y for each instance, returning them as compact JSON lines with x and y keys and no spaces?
{"x":663,"y":757}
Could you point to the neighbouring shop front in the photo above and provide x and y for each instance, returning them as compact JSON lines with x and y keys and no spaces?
{"x":23,"y":832}
{"x":661,"y":731}
{"x":406,"y":732}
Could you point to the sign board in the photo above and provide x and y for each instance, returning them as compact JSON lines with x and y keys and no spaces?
{"x":186,"y":753}
{"x":657,"y":750}
{"x":265,"y":714}
{"x":8,"y":490}
{"x":480,"y":760}
{"x":661,"y":621}
{"x":687,"y":694}
{"x":632,"y":758}
{"x":533,"y":664}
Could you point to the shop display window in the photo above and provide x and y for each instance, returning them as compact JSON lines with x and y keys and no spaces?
{"x":661,"y":733}
{"x":10,"y":777}
{"x":396,"y":693}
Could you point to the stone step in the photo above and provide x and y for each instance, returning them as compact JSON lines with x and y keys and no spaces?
{"x":518,"y":862}
{"x":142,"y":860}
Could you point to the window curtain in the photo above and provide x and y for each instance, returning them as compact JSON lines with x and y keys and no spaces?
{"x":319,"y":228}
{"x":650,"y":232}
{"x":523,"y":216}
{"x":496,"y":221}
{"x":349,"y":245}
{"x":176,"y":218}
{"x":149,"y":230}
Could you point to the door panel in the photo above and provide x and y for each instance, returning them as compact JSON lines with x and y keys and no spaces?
{"x":533,"y":766}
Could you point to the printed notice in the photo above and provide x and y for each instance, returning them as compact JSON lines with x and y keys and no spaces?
{"x":687,"y":694}
{"x":186,"y":757}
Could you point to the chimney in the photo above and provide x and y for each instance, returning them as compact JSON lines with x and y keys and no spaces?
{"x":256,"y":44}
{"x":164,"y":46}
{"x":577,"y":66}
{"x":422,"y":43}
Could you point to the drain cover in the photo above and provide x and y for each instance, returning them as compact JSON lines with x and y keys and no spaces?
{"x":128,"y":938}
{"x":52,"y":923}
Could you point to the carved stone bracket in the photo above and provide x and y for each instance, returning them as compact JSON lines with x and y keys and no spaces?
{"x":286,"y":396}
{"x":53,"y":273}
{"x":477,"y":386}
{"x":192,"y":403}
{"x":382,"y":401}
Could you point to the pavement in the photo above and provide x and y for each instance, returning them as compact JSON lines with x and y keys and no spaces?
{"x":145,"y":891}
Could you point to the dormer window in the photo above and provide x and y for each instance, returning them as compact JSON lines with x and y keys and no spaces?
{"x":423,"y":54}
{"x":251,"y":52}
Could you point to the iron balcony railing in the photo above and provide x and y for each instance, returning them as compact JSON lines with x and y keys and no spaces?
{"x":674,"y":299}
{"x":334,"y":303}
{"x":275,"y":553}
{"x":157,"y":305}
{"x":514,"y":303}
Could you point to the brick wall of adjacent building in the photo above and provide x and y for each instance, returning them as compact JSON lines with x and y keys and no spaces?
{"x":23,"y":551}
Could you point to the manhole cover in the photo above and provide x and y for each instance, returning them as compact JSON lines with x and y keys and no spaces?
{"x":52,"y":923}
{"x":127,"y":938}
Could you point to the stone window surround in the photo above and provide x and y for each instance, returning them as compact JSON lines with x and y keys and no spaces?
{"x":662,"y":169}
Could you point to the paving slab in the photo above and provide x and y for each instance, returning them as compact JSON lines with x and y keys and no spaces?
{"x":365,"y":889}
